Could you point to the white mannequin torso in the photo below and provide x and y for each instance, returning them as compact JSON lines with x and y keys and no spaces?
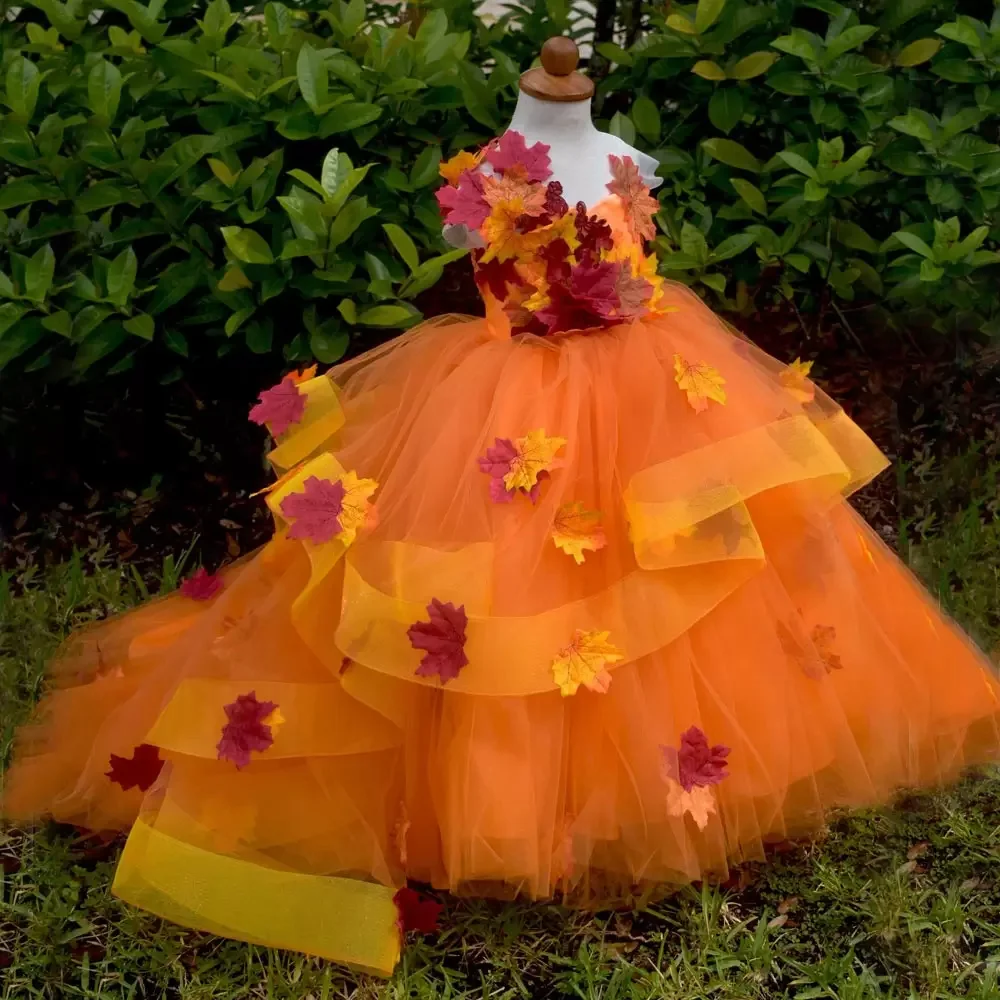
{"x":577,"y":150}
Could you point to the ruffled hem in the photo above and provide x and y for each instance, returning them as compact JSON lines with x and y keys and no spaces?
{"x":751,"y":655}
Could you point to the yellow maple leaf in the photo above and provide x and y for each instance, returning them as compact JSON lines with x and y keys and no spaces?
{"x":275,"y":720}
{"x":451,"y":170}
{"x":576,"y":530}
{"x":356,"y":512}
{"x":585,"y":661}
{"x":701,"y":382}
{"x":535,"y":454}
{"x":795,"y":378}
{"x":699,"y":803}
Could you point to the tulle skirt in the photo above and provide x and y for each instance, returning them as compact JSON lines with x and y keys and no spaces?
{"x":681,"y":645}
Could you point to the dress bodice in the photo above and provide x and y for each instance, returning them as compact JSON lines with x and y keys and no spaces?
{"x":547,"y":267}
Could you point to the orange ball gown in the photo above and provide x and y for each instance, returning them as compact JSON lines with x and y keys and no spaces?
{"x":567,"y":601}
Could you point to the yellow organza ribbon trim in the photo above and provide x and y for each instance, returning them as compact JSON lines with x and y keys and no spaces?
{"x":344,"y":920}
{"x":323,"y":417}
{"x":320,"y":720}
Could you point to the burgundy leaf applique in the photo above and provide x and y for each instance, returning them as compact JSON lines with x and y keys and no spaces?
{"x":497,"y":274}
{"x":280,"y":406}
{"x":316,"y":511}
{"x":555,"y":204}
{"x":464,"y":205}
{"x":558,"y":263}
{"x":510,"y":150}
{"x":442,"y":639}
{"x":695,"y":764}
{"x":496,"y":463}
{"x":588,"y":299}
{"x":247,"y":729}
{"x":593,"y":233}
{"x":138,"y":771}
{"x":416,"y":912}
{"x":201,"y":585}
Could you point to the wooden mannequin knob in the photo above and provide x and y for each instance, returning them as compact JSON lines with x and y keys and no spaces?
{"x":557,"y":79}
{"x":560,"y":56}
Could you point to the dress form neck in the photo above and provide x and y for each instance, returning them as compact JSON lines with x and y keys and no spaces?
{"x":577,"y":150}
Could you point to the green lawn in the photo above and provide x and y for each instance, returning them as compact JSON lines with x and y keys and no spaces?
{"x":901,"y":903}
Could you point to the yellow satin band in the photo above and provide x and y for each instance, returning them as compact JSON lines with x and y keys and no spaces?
{"x":319,"y":720}
{"x":344,"y":920}
{"x":323,"y":417}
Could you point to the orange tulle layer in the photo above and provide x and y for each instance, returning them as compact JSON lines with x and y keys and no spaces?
{"x":745,"y":595}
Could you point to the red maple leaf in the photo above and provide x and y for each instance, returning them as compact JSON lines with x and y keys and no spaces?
{"x":510,"y":150}
{"x":556,"y":256}
{"x":695,"y":764}
{"x":443,"y":640}
{"x":496,"y":275}
{"x":593,"y":233}
{"x":315,"y":512}
{"x":246,"y":730}
{"x":464,"y":205}
{"x":138,"y":771}
{"x":586,"y":301}
{"x":416,"y":912}
{"x":280,"y":406}
{"x":201,"y":585}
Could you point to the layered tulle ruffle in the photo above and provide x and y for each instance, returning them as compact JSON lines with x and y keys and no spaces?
{"x":772,"y":659}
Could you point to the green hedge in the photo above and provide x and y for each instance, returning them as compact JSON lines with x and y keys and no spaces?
{"x":186,"y":180}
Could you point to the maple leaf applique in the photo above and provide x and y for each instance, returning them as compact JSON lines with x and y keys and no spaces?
{"x":248,"y":729}
{"x":301,"y":375}
{"x":464,"y":205}
{"x":356,"y":511}
{"x":633,"y":293}
{"x":795,"y":378}
{"x":824,"y":637}
{"x":315,"y":512}
{"x":442,"y":639}
{"x":520,"y":466}
{"x":695,"y":764}
{"x":699,"y":803}
{"x":577,"y":530}
{"x":585,"y":661}
{"x":587,"y":300}
{"x":138,"y":771}
{"x":700,"y":382}
{"x":452,"y":170}
{"x":639,"y":205}
{"x":515,"y":190}
{"x":535,"y":455}
{"x":416,"y":912}
{"x":510,"y":150}
{"x":201,"y":585}
{"x":280,"y":406}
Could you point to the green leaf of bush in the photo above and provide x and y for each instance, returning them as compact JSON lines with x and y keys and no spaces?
{"x":247,"y":245}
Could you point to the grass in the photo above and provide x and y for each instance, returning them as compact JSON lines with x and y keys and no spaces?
{"x":897,"y":903}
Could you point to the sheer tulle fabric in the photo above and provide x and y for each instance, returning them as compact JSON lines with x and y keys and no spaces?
{"x":746,"y":596}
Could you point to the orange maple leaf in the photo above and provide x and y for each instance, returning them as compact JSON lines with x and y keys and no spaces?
{"x":576,"y":530}
{"x":701,"y":382}
{"x":585,"y":661}
{"x":298,"y":377}
{"x":451,"y":170}
{"x":699,"y":803}
{"x":795,"y":378}
{"x":515,"y":189}
{"x":639,"y":205}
